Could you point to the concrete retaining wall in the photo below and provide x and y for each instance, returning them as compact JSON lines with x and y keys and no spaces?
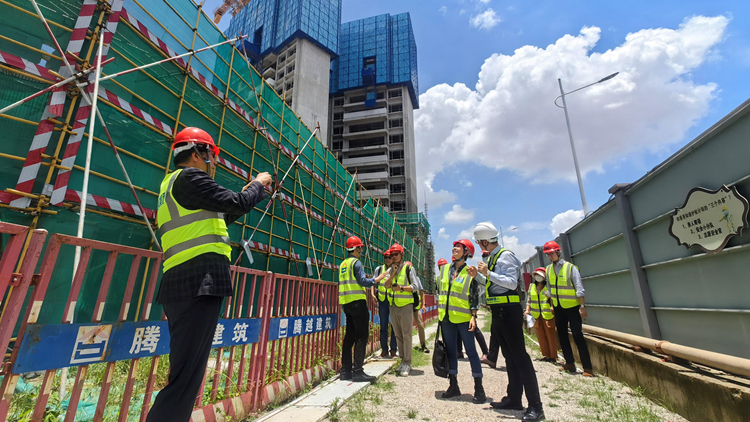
{"x":697,"y":395}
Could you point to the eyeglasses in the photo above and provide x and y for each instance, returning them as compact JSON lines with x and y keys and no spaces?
{"x":395,"y":254}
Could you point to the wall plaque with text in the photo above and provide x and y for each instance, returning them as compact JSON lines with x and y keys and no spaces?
{"x":709,"y":218}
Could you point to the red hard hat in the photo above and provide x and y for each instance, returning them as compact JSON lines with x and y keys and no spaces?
{"x":353,"y":242}
{"x":541,"y":271}
{"x":467,"y":244}
{"x":442,"y":262}
{"x":196,"y":136}
{"x":397,"y":248}
{"x":551,"y":246}
{"x":387,"y":253}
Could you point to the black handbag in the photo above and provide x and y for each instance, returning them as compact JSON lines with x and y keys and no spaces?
{"x":440,"y":356}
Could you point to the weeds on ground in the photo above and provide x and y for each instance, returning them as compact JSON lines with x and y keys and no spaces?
{"x":333,"y":414}
{"x":412,"y":413}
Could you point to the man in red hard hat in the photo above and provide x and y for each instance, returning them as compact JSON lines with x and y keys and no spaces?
{"x":353,"y":300}
{"x":565,"y":288}
{"x":381,"y":294}
{"x":401,"y":284}
{"x":193,"y":215}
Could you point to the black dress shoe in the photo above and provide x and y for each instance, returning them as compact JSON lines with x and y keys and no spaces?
{"x":506,"y":404}
{"x":345,"y":376}
{"x":533,"y":414}
{"x":362,"y":377}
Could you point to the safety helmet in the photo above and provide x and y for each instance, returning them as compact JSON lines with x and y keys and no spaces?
{"x":353,"y":242}
{"x":540,"y":271}
{"x":387,"y":254}
{"x":486,"y":231}
{"x":551,"y":246}
{"x":192,"y":136}
{"x":441,"y":262}
{"x":397,"y":248}
{"x":467,"y":244}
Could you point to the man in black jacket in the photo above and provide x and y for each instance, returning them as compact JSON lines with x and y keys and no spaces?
{"x":194,"y":212}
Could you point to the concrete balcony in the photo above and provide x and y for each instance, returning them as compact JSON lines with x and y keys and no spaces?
{"x":365,"y":161}
{"x":375,"y":193}
{"x":367,"y":115}
{"x":366,"y":133}
{"x":372,"y":177}
{"x":373,"y":148}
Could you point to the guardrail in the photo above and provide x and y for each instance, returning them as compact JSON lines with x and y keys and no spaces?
{"x":277,"y":334}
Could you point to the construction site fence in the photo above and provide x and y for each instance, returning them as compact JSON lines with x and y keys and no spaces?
{"x":43,"y":153}
{"x":641,"y":280}
{"x":276,"y":334}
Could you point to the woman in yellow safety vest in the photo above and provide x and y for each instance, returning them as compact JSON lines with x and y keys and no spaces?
{"x":538,"y":305}
{"x":458,"y":304}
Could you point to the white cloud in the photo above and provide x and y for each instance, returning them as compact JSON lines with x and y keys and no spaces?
{"x":466,"y":234}
{"x":485,"y":20}
{"x":466,"y":183}
{"x":443,"y":10}
{"x":459,"y":215}
{"x":522,"y":250}
{"x":485,"y":1}
{"x":461,"y":12}
{"x":564,"y":221}
{"x":533,"y":225}
{"x":442,"y":234}
{"x":651,"y":104}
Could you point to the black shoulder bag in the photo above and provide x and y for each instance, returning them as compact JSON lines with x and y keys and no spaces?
{"x":440,"y":356}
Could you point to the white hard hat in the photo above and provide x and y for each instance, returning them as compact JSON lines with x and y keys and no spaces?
{"x":485,"y":231}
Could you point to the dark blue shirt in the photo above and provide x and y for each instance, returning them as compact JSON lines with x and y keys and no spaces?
{"x":359,"y":274}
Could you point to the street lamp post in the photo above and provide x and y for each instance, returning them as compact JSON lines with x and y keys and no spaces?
{"x":570,"y":134}
{"x":502,"y":242}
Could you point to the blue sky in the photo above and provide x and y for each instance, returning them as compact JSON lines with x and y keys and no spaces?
{"x":493,"y":146}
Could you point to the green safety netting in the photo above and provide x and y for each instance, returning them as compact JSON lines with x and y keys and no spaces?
{"x":172,"y":96}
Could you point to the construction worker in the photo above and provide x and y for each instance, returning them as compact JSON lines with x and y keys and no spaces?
{"x":418,"y":303}
{"x":380,"y":294}
{"x":539,"y":306}
{"x":458,"y":304}
{"x":401,"y":284}
{"x":565,"y":288}
{"x":500,"y":270}
{"x":353,"y":300}
{"x":193,"y":215}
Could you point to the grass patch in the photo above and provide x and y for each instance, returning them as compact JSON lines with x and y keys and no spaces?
{"x":412,"y":413}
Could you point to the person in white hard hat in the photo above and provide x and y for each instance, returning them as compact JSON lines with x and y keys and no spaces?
{"x":500,"y":270}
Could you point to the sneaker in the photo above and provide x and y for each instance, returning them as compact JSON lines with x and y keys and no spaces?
{"x":404,"y":372}
{"x":571,"y":369}
{"x":487,"y":361}
{"x":383,"y":355}
{"x":588,"y":372}
{"x":345,"y":376}
{"x":394,"y":354}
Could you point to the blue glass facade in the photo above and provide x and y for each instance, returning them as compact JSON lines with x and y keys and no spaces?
{"x":389,"y":39}
{"x":274,"y":22}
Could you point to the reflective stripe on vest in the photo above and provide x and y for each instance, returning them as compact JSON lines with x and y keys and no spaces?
{"x":401,"y":299}
{"x":511,"y":297}
{"x":561,"y":286}
{"x":186,"y":233}
{"x":382,"y":292}
{"x":454,"y":296}
{"x":349,"y":289}
{"x":538,"y":303}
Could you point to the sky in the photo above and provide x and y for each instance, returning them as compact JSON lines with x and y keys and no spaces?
{"x":491,"y":144}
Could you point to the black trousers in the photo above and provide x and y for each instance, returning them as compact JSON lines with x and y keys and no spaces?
{"x":563,"y":318}
{"x":357,"y":331}
{"x":480,"y":339}
{"x":191,"y":329}
{"x":507,"y":331}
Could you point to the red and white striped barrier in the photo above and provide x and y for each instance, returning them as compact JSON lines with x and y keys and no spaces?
{"x":150,"y":35}
{"x":108,"y":203}
{"x":234,"y":168}
{"x":84,"y":112}
{"x":119,"y":102}
{"x":53,"y":109}
{"x":25,"y":65}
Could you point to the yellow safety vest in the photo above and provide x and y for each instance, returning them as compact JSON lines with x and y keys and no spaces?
{"x":186,"y":233}
{"x":561,"y":286}
{"x":538,"y":303}
{"x":511,"y":297}
{"x":454,"y":296}
{"x":349,"y":289}
{"x":401,"y":299}
{"x":382,"y":292}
